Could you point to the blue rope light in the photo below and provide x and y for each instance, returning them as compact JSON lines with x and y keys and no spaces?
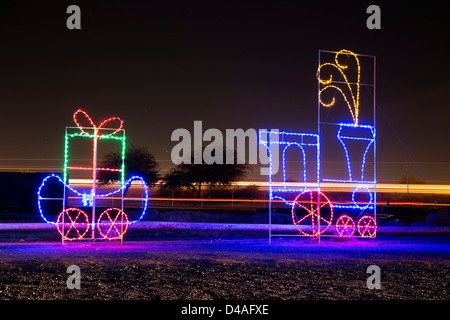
{"x":87,"y":199}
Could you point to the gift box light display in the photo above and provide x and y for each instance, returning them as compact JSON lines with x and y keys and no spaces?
{"x":313,"y":212}
{"x":55,"y":193}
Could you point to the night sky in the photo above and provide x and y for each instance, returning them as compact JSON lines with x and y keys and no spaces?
{"x":160,"y":65}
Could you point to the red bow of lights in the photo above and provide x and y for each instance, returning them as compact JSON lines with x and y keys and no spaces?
{"x":114,"y":124}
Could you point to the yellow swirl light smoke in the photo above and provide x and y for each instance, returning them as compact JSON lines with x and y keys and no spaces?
{"x":327,"y":82}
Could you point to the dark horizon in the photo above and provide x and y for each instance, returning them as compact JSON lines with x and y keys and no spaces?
{"x":233,"y":65}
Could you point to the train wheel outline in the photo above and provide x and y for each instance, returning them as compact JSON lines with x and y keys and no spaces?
{"x":112,"y":224}
{"x":311,"y":211}
{"x":345,"y":226}
{"x":367,"y":227}
{"x":73,"y":224}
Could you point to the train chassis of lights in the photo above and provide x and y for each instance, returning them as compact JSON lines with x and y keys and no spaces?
{"x":314,"y":214}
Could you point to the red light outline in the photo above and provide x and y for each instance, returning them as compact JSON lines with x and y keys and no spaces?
{"x":73,"y":224}
{"x":112,"y":224}
{"x":312,"y":212}
{"x":93,"y":126}
{"x":366,"y":223}
{"x":342,"y":226}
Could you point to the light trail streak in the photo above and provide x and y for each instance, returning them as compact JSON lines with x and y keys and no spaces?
{"x":348,"y":187}
{"x":392,"y":203}
{"x":334,"y":187}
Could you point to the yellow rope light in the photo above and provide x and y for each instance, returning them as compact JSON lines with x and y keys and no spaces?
{"x":340,"y":67}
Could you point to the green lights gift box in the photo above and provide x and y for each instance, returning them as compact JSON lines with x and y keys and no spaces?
{"x":109,"y":129}
{"x":73,"y":223}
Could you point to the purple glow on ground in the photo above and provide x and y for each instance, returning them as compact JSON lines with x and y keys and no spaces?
{"x":232,"y":268}
{"x":250,"y":248}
